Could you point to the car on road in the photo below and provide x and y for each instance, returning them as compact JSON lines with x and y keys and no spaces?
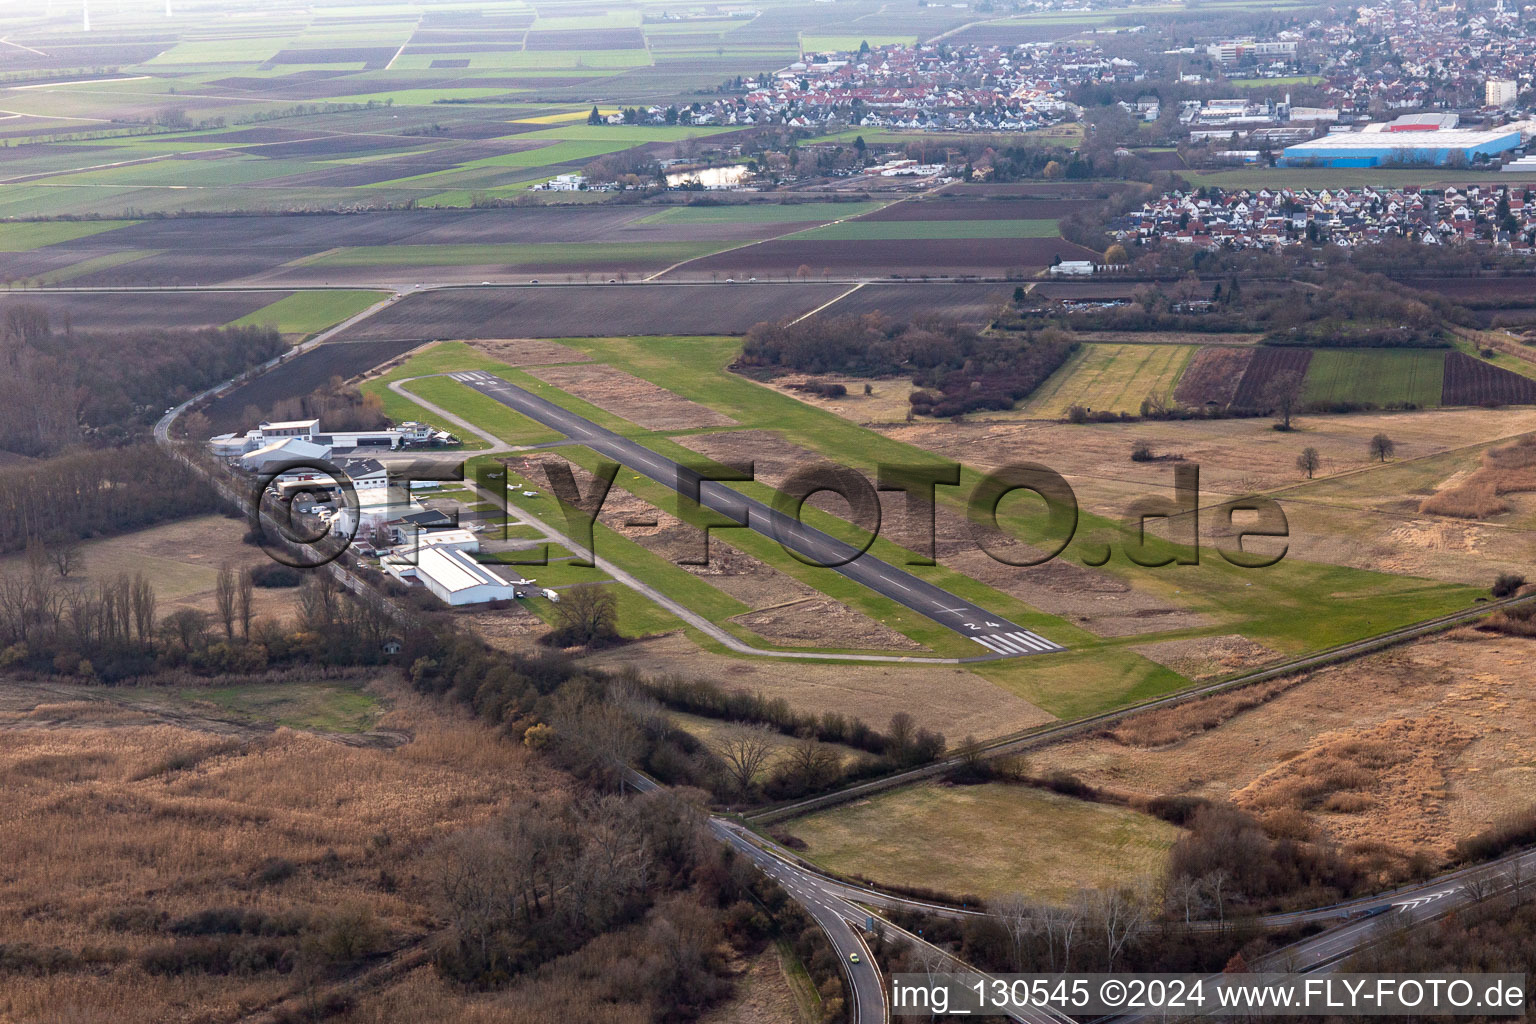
{"x":534,"y":281}
{"x":853,"y":958}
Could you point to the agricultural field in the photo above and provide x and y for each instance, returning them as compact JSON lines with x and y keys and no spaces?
{"x":1380,"y":377}
{"x":548,"y":312}
{"x":1111,"y":378}
{"x":1241,"y":377}
{"x":143,"y":309}
{"x":1002,"y":208}
{"x":182,"y":561}
{"x":298,"y":377}
{"x":1018,"y":257}
{"x":461,"y":246}
{"x":988,"y":840}
{"x":925,"y":230}
{"x":305,"y":313}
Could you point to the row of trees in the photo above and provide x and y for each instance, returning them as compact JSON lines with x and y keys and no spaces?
{"x":955,"y":368}
{"x":96,"y":493}
{"x":112,"y":629}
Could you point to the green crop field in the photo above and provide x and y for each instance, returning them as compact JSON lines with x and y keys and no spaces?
{"x":877,"y":230}
{"x":555,"y":254}
{"x":327,"y":707}
{"x":1260,"y":83}
{"x":25,"y":236}
{"x":1378,"y":376}
{"x":308,"y":312}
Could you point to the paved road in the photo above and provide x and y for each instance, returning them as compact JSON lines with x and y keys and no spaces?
{"x":1381,"y":916}
{"x":998,"y":637}
{"x":841,"y":920}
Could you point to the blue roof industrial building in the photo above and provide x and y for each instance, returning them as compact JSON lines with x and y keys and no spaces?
{"x":1382,"y":148}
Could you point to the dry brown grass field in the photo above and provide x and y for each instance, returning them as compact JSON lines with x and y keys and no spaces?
{"x":182,"y":560}
{"x":1357,"y":512}
{"x":1412,"y":749}
{"x":989,"y":840}
{"x":765,"y":994}
{"x":115,"y":828}
{"x":1509,"y":469}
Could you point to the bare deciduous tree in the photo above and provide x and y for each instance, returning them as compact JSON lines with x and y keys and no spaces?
{"x":224,"y":599}
{"x":1309,"y":462}
{"x":65,"y":555}
{"x":1019,"y":920}
{"x":1281,"y":397}
{"x":746,"y":753}
{"x":1121,"y":915}
{"x":245,"y":589}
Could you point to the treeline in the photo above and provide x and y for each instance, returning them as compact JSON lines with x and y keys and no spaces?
{"x":750,"y":763}
{"x":592,"y":903}
{"x":711,"y":700}
{"x":60,"y":387}
{"x":956,"y":369}
{"x":112,"y":630}
{"x":597,"y":726}
{"x":1344,"y":310}
{"x":1108,"y":930}
{"x":96,"y":493}
{"x":337,"y":405}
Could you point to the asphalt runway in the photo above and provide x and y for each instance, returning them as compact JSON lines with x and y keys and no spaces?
{"x":996,"y":635}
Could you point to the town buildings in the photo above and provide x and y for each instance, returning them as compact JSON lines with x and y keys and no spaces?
{"x":1278,"y":218}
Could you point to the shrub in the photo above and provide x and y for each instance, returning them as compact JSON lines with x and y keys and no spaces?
{"x":1141,"y":451}
{"x":1507,"y":584}
{"x":1508,"y":833}
{"x":275,"y":574}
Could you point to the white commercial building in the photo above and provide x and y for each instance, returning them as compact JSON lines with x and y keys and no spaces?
{"x":268,"y":433}
{"x":1501,"y":92}
{"x":1232,"y":51}
{"x":452,"y":575}
{"x":276,"y":453}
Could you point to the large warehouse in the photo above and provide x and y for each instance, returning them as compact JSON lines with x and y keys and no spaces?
{"x":1374,"y":149}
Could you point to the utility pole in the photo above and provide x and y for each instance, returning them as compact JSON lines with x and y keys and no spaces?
{"x":85,"y":15}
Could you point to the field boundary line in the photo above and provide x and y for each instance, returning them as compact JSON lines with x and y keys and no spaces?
{"x":824,"y":305}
